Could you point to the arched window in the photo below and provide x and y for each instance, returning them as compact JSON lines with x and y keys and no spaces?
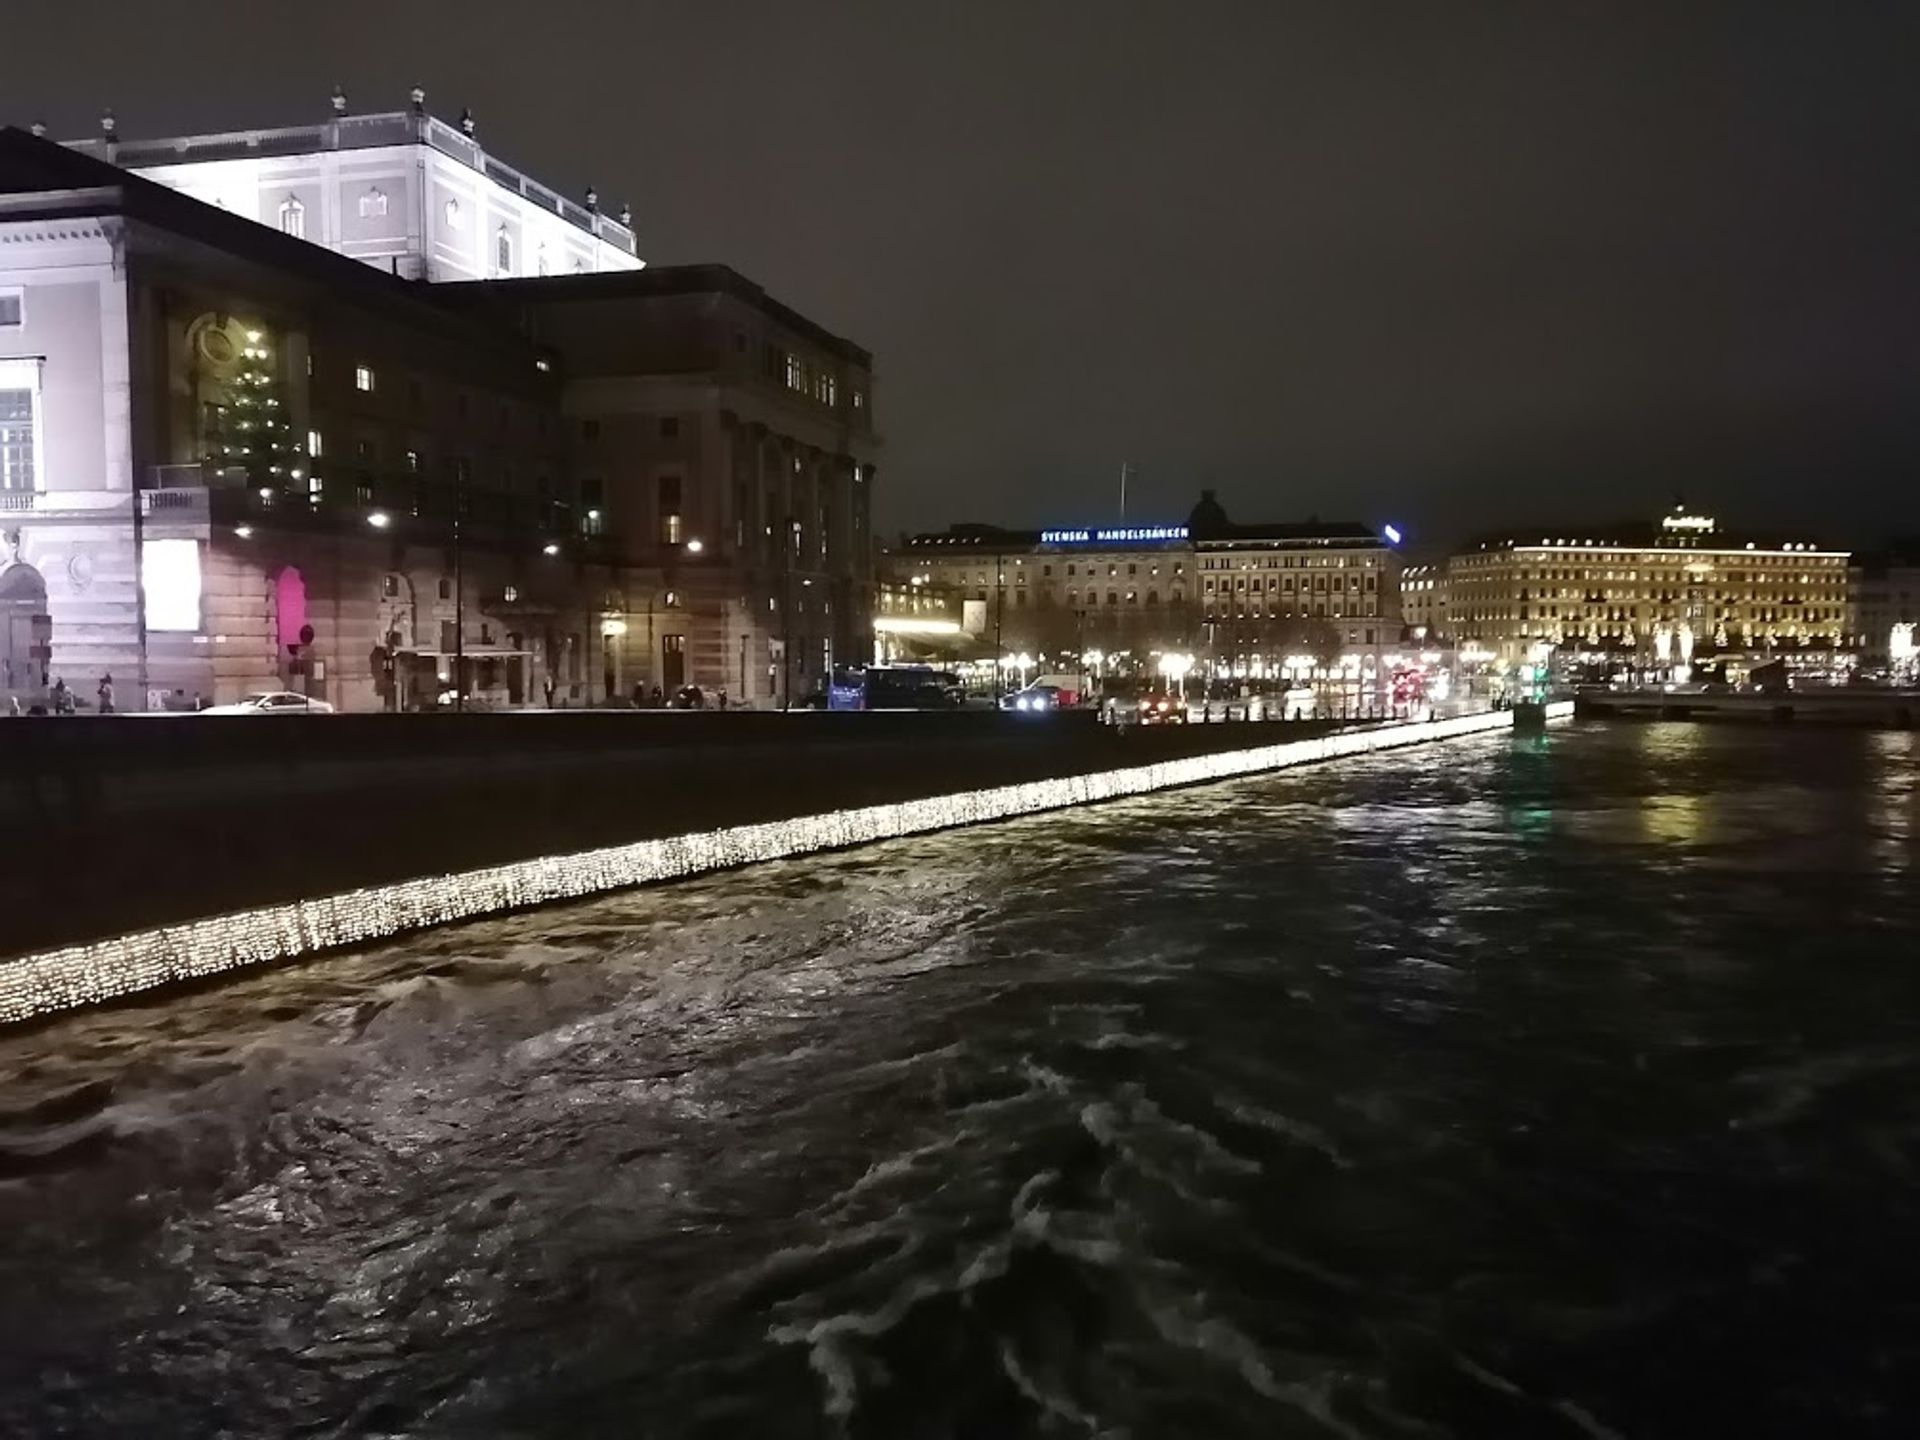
{"x":373,"y":204}
{"x":503,"y":252}
{"x":293,"y":218}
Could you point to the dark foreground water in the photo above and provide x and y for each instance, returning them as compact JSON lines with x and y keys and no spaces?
{"x":1563,"y":1087}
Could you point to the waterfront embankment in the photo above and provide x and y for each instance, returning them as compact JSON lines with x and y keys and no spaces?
{"x":288,"y":840}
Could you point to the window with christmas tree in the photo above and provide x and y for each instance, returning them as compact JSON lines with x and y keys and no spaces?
{"x":249,"y":431}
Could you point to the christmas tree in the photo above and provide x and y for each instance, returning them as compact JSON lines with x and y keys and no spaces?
{"x":250,"y":430}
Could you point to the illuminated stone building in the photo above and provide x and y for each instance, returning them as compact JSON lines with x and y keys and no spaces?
{"x":233,"y":459}
{"x":1242,"y":598}
{"x":1424,"y":596}
{"x":728,"y":443}
{"x":1651,"y":599}
{"x":403,"y":191}
{"x":1886,"y":604}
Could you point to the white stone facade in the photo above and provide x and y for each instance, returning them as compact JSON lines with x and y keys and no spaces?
{"x":404,"y":192}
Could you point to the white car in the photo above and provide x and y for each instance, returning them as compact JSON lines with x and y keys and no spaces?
{"x":272,"y":702}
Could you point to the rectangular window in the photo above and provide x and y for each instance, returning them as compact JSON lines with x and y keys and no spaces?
{"x":314,"y":447}
{"x":170,"y":584}
{"x":363,"y":379}
{"x":12,"y":309}
{"x":672,"y":524}
{"x":19,"y":425}
{"x":669,"y":427}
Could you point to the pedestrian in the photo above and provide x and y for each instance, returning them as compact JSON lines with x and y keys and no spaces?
{"x":546,"y":684}
{"x":61,"y":696}
{"x":639,"y":696}
{"x":658,"y":698}
{"x":13,"y":704}
{"x":105,"y":693}
{"x":723,"y":699}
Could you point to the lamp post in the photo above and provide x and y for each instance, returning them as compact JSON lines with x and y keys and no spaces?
{"x":459,"y":601}
{"x":999,"y":610}
{"x":789,"y":545}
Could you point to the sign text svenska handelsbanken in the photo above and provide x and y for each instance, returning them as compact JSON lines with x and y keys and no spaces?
{"x":1124,"y":536}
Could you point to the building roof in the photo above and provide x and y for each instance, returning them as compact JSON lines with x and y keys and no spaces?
{"x":1636,"y":537}
{"x":1210,"y":524}
{"x":357,"y":132}
{"x":993,"y":539}
{"x":651,"y":283}
{"x":41,"y":179}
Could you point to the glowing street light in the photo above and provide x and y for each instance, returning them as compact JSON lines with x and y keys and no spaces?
{"x":1174,"y":667}
{"x":551,"y":548}
{"x":379,"y":519}
{"x":694,"y":547}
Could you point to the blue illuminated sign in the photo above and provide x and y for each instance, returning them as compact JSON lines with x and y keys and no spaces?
{"x":1125,"y":535}
{"x":1392,"y":533}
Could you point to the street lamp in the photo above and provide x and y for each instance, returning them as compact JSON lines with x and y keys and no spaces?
{"x":694,"y":547}
{"x":1175,"y":667}
{"x":379,"y":519}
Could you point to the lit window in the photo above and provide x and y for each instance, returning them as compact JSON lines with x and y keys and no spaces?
{"x":373,"y":204}
{"x":170,"y":584}
{"x":293,"y":218}
{"x":19,"y":425}
{"x":363,"y":379}
{"x":313,"y":443}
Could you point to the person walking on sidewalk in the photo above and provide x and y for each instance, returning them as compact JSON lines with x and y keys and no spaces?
{"x":105,"y":692}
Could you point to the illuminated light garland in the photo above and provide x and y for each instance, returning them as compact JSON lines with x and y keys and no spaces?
{"x":55,"y":980}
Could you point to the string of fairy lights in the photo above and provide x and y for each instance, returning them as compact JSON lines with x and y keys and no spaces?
{"x":55,"y":980}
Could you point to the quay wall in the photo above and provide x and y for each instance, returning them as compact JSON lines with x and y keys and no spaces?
{"x":147,"y":856}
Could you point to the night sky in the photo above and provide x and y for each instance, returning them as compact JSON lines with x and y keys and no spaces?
{"x":1444,"y":264}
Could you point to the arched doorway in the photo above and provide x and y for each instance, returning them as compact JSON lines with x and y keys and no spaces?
{"x":26,"y":635}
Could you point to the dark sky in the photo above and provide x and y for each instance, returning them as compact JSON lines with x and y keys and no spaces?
{"x":1448,"y":264}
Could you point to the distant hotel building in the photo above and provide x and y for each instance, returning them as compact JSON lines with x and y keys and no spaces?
{"x":1886,"y":595}
{"x":1424,"y":593}
{"x":1653,"y":598}
{"x":1244,"y":598}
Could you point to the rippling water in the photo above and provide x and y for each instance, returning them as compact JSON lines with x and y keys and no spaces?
{"x":1555,"y":1087}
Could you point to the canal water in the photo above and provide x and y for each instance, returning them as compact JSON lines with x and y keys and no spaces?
{"x":1565,"y":1086}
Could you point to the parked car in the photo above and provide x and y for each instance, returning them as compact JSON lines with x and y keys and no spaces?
{"x":1157,"y":707}
{"x":273,"y":702}
{"x":1033,"y":699}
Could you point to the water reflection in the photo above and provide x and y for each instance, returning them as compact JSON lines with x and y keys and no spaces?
{"x":1571,"y":1085}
